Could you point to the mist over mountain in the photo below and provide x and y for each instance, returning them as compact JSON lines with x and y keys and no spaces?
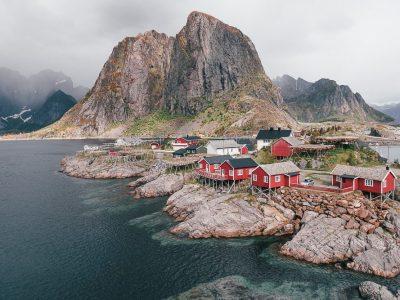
{"x":325,"y":100}
{"x":26,"y":120}
{"x":392,"y":110}
{"x":22,"y":99}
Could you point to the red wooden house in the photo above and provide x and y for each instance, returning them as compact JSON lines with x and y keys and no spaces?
{"x":244,"y":149}
{"x":378,"y":180}
{"x":183,"y":142}
{"x":211,"y":164}
{"x":275,"y":175}
{"x":237,"y":168}
{"x":284,"y":146}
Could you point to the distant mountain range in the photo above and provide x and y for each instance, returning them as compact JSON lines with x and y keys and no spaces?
{"x":392,"y":110}
{"x":31,"y":103}
{"x":325,"y":100}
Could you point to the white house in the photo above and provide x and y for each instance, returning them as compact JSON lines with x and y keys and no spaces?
{"x":224,"y":147}
{"x":266,"y":137}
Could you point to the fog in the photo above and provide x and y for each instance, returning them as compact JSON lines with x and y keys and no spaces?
{"x":353,"y":42}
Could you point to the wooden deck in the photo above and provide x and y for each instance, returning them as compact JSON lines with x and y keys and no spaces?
{"x":328,"y":189}
{"x":209,"y":175}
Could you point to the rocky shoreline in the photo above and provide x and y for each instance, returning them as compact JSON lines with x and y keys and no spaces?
{"x":99,"y":167}
{"x":349,"y":230}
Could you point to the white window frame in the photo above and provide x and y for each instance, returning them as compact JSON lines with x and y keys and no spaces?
{"x":240,"y":172}
{"x":277,"y":178}
{"x":368,"y":182}
{"x":338,"y":178}
{"x":384,"y":183}
{"x":223,"y":172}
{"x":254,"y":177}
{"x":230,"y":172}
{"x":266,"y":179}
{"x":207,"y":167}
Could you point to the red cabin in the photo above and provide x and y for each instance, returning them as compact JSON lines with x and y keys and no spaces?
{"x":244,"y":149}
{"x":284,"y":147}
{"x":275,"y":175}
{"x":238,"y":168}
{"x":211,"y":164}
{"x":183,"y":142}
{"x":379,"y":180}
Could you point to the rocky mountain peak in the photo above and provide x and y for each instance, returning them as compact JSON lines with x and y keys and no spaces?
{"x":183,"y":75}
{"x":325,"y":100}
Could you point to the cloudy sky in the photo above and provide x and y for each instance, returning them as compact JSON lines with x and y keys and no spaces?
{"x":354,"y":42}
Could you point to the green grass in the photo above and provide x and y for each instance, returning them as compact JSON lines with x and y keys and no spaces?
{"x":364,"y":157}
{"x":264,"y":156}
{"x":155,"y":123}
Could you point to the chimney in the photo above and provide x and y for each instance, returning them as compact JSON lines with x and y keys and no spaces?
{"x":387,"y":167}
{"x":279,"y":129}
{"x":271,"y":128}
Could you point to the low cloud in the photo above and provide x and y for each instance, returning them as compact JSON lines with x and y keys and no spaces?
{"x":354,"y":42}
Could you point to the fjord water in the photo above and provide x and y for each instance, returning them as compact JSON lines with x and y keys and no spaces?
{"x":68,"y":238}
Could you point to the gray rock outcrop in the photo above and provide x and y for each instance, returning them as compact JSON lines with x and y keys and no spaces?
{"x":99,"y":167}
{"x":163,"y":185}
{"x":204,"y":212}
{"x":372,"y":291}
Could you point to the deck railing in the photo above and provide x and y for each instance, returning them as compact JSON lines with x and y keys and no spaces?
{"x":323,"y":188}
{"x":215,"y":176}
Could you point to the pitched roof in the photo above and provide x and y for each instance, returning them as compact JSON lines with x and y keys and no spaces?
{"x":272,"y":134}
{"x":293,"y":141}
{"x":180,"y":151}
{"x":375,"y":173}
{"x":224,"y":144}
{"x":280,"y":168}
{"x":243,"y":162}
{"x":219,"y":159}
{"x":191,"y":137}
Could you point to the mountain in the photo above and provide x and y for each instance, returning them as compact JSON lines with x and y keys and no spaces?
{"x":21,"y":96}
{"x":207,"y":64}
{"x":325,"y":100}
{"x":55,"y":106}
{"x":392,"y":110}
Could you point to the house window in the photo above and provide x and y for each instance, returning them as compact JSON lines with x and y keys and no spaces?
{"x":200,"y":166}
{"x":254,"y":177}
{"x":216,"y":166}
{"x":240,"y":172}
{"x":230,"y":172}
{"x":338,"y":178}
{"x":207,"y":168}
{"x":266,"y":179}
{"x":278,"y":178}
{"x":369,"y":182}
{"x":222,"y":172}
{"x":384,"y":183}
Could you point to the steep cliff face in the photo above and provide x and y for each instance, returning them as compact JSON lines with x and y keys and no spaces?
{"x":130,"y":84}
{"x":326,"y":100}
{"x":152,"y":73}
{"x":210,"y":57}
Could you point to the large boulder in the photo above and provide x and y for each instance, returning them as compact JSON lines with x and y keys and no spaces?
{"x":166,"y":184}
{"x":373,"y":291}
{"x":206,"y":213}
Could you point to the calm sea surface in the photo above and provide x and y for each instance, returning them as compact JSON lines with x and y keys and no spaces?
{"x":68,"y":238}
{"x":390,"y":152}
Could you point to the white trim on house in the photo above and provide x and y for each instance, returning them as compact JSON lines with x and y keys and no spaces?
{"x":367,"y":181}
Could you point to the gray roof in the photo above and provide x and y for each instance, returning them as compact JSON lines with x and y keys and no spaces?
{"x":242,"y":162}
{"x":375,"y":173}
{"x":217,"y":159}
{"x":272,"y":134}
{"x":280,"y":168}
{"x":293,"y":141}
{"x":224,"y":144}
